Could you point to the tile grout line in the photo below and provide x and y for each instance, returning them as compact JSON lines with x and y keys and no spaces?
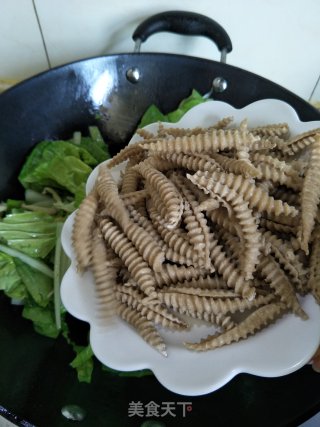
{"x":314,"y":89}
{"x":42,"y":35}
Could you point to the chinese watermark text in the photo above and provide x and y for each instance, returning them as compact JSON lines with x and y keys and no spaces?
{"x":163,"y":409}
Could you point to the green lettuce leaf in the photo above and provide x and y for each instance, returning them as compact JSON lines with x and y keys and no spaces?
{"x":153,"y":114}
{"x":83,"y":363}
{"x":32,"y":233}
{"x":42,"y":318}
{"x":10,"y":280}
{"x":64,"y":165}
{"x":57,"y":164}
{"x":185,"y":105}
{"x":38,"y":285}
{"x":94,"y":144}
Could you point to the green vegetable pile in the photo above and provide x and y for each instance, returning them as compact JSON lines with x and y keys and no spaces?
{"x":32,"y":261}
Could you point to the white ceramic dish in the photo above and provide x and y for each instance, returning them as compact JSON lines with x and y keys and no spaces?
{"x":277,"y":350}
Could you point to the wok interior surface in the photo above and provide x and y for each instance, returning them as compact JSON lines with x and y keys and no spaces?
{"x":96,"y":91}
{"x":36,"y":380}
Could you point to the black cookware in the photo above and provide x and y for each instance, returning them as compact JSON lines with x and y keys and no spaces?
{"x":112,"y":92}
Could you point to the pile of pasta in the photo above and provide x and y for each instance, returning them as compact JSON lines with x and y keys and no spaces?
{"x":218,"y":224}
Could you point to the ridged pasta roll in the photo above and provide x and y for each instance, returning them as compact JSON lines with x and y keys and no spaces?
{"x":105,"y":271}
{"x":237,"y":166}
{"x":299,"y":142}
{"x":171,"y":273}
{"x":195,"y":303}
{"x":277,"y":129}
{"x":175,"y":240}
{"x":256,"y":197}
{"x":243,"y":215}
{"x":195,"y":222}
{"x":144,"y":327}
{"x":310,"y":195}
{"x":282,"y":287}
{"x":131,"y":258}
{"x":107,"y":190}
{"x":215,"y":140}
{"x":192,"y":162}
{"x":84,"y":222}
{"x":134,"y":197}
{"x":126,"y":153}
{"x":284,"y":254}
{"x":256,"y":321}
{"x":314,"y":278}
{"x":157,"y":313}
{"x":166,"y":192}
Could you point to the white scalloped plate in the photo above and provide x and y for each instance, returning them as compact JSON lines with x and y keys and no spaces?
{"x":277,"y":350}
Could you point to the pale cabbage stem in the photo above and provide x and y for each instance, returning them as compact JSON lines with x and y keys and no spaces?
{"x":32,"y":262}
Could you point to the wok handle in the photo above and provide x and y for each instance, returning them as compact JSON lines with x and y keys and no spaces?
{"x":186,"y":23}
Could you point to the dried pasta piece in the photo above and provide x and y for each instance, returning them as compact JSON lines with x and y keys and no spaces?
{"x":144,"y":327}
{"x":105,"y":272}
{"x":256,"y":197}
{"x":314,"y":278}
{"x":82,"y":230}
{"x":157,"y":313}
{"x":300,"y":142}
{"x":178,"y":132}
{"x":268,"y":172}
{"x":222,"y":321}
{"x":300,"y":165}
{"x":290,"y":197}
{"x":195,"y":222}
{"x":231,"y":244}
{"x":144,"y":133}
{"x":281,"y":285}
{"x":176,"y":241}
{"x":201,"y":292}
{"x":265,"y":144}
{"x":277,"y":129}
{"x":216,"y":306}
{"x":223,"y":123}
{"x":244,"y":217}
{"x":126,"y":153}
{"x":277,"y":227}
{"x":146,"y":224}
{"x":215,"y":140}
{"x":231,"y":275}
{"x":204,"y":282}
{"x":281,"y":165}
{"x":284,"y":254}
{"x":255,"y":321}
{"x":222,"y":219}
{"x":107,"y":190}
{"x":192,"y":162}
{"x":171,"y":273}
{"x":147,"y":247}
{"x":134,"y":197}
{"x":310,"y":195}
{"x":130,"y":181}
{"x":237,"y":166}
{"x":166,"y":192}
{"x":131,"y":258}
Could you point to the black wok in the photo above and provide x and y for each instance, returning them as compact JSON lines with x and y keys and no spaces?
{"x":113,"y":92}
